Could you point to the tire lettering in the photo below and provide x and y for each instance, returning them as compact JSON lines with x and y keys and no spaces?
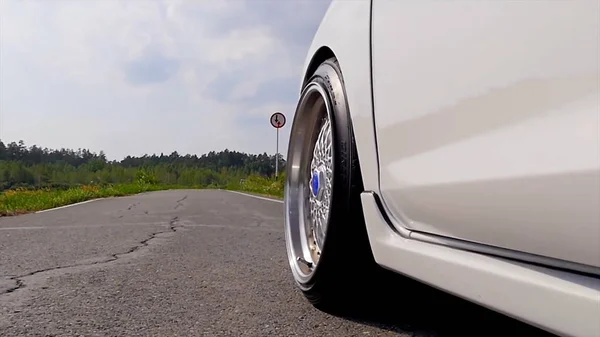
{"x":331,"y":91}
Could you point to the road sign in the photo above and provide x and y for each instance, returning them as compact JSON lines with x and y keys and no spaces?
{"x":277,"y":120}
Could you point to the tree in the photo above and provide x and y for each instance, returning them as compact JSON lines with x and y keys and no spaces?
{"x":40,"y":167}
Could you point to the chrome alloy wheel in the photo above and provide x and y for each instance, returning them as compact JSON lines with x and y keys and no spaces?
{"x":309,"y":181}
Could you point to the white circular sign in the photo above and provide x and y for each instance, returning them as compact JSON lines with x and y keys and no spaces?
{"x":277,"y":120}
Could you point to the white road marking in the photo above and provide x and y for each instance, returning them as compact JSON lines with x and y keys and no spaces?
{"x":21,"y":228}
{"x":161,"y":224}
{"x":65,"y":206}
{"x":255,"y":196}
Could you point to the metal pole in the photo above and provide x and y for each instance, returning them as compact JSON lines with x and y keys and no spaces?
{"x":277,"y":157}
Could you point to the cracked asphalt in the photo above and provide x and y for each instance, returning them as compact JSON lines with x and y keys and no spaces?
{"x":195,"y":263}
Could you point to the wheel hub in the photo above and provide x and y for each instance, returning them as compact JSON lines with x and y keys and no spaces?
{"x":315,"y":183}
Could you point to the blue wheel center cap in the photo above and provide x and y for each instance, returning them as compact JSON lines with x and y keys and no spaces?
{"x":315,"y":183}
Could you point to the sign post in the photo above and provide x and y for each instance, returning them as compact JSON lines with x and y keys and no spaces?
{"x":277,"y":121}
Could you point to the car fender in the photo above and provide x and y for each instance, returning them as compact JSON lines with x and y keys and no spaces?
{"x":345,"y":32}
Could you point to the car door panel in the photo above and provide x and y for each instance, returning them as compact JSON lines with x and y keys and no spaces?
{"x":487,"y":121}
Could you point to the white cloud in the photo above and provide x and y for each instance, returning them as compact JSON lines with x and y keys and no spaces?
{"x":142,"y":76}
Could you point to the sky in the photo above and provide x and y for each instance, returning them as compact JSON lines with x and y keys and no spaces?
{"x":134,"y":77}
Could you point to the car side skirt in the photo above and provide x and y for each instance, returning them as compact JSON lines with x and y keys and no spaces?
{"x":557,"y":301}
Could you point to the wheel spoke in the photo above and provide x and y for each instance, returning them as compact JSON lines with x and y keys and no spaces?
{"x":321,"y":168}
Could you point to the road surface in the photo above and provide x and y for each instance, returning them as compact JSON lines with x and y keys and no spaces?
{"x":193,"y":263}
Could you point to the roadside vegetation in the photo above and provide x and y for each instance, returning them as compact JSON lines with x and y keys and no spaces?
{"x":34,"y":178}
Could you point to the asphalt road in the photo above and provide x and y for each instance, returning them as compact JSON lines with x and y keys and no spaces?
{"x":194,"y":263}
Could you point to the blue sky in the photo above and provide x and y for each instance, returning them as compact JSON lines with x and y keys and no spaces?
{"x":151,"y":76}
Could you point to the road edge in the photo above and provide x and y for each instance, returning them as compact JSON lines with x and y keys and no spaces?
{"x":69,"y":205}
{"x":255,"y":196}
{"x":273,"y":199}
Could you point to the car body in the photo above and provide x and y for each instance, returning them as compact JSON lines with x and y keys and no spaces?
{"x":477,"y":128}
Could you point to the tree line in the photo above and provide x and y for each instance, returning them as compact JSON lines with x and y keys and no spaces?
{"x":35,"y":167}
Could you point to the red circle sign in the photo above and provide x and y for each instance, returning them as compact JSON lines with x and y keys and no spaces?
{"x":277,"y":120}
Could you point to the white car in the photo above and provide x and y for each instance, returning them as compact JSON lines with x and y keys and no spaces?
{"x":456,"y":143}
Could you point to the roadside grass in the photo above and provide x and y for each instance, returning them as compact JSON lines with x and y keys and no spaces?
{"x":21,"y":201}
{"x":260,"y":185}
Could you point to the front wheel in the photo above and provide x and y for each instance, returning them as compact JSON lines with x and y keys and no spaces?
{"x":326,"y":239}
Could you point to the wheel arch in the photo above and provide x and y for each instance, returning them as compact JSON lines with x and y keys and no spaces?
{"x":321,"y":55}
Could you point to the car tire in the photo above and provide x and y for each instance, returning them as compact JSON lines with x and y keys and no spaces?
{"x":344,"y":260}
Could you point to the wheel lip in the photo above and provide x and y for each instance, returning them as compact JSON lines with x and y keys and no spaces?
{"x":295,"y":182}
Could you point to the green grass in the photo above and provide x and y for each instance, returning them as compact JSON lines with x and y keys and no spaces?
{"x":20,"y":201}
{"x":260,"y":185}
